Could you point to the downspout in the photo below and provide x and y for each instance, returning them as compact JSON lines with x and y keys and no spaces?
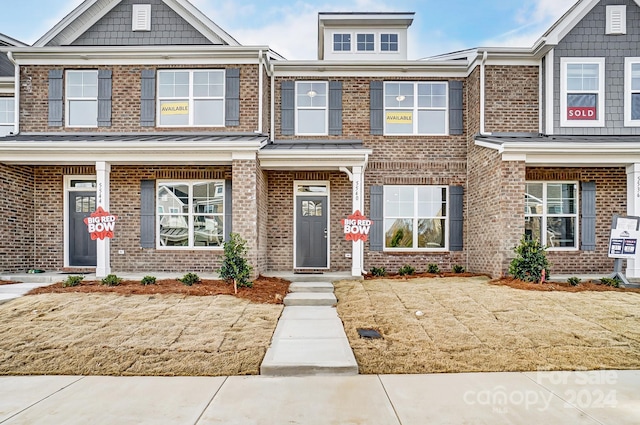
{"x":482,"y":93}
{"x":273,"y":103}
{"x":16,"y":94}
{"x":260,"y":87}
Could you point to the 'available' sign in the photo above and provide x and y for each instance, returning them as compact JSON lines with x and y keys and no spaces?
{"x":101,"y":224}
{"x":356,"y":227}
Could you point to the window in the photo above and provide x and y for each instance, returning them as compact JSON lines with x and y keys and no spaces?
{"x":415,"y":108}
{"x":191,"y":214}
{"x":415,"y":217}
{"x":551,"y":214}
{"x":82,"y":98}
{"x":191,"y":98}
{"x":389,"y":42}
{"x":341,"y":42}
{"x":365,"y":42}
{"x":311,"y":108}
{"x":582,"y":92}
{"x":632,"y":92}
{"x":7,"y":115}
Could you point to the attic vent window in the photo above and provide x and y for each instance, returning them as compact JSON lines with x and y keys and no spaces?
{"x":616,"y":20}
{"x":141,"y":17}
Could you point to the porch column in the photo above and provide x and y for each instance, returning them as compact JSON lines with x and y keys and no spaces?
{"x":358,"y":204}
{"x":103,"y":260}
{"x":633,"y":208}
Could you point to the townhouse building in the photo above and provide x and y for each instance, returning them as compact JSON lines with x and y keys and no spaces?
{"x":150,"y":111}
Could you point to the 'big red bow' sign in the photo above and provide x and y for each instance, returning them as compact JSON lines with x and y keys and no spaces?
{"x":100,"y":224}
{"x":356,"y":227}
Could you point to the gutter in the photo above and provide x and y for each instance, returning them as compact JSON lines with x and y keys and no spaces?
{"x":16,"y":94}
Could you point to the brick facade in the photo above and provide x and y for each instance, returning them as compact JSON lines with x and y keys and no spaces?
{"x":512,"y":99}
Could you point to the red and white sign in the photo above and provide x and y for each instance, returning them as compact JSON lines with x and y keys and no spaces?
{"x":356,"y":227}
{"x":581,"y":113}
{"x":101,"y":224}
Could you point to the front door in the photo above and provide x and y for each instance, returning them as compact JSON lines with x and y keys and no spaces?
{"x":82,"y":250}
{"x":311,"y":231}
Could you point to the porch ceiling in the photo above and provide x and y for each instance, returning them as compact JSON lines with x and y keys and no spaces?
{"x":139,"y":148}
{"x":572,"y":151}
{"x":313,"y":155}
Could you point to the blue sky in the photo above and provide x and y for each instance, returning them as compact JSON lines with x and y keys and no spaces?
{"x":290,"y":27}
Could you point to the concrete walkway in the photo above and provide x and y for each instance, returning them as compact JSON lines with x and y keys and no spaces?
{"x":589,"y":398}
{"x":309,"y":338}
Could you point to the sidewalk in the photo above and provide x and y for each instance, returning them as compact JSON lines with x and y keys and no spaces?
{"x":599,"y":397}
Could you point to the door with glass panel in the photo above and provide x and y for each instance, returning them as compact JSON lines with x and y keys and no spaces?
{"x":311,"y":225}
{"x":82,"y":250}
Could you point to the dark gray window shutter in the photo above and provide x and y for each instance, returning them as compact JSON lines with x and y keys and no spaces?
{"x":148,"y":213}
{"x":588,"y":201}
{"x":456,"y":117}
{"x":376,"y":107}
{"x":376,"y":212}
{"x":148,"y":98}
{"x":104,"y":98}
{"x":456,"y":218}
{"x":232,"y":97}
{"x":228,"y":209}
{"x":288,"y":108}
{"x":335,"y":108}
{"x":55,"y":97}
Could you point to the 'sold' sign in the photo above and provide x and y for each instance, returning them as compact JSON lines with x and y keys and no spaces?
{"x":356,"y":227}
{"x":101,"y":224}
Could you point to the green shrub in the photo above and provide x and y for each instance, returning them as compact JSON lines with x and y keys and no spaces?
{"x":530,"y":261}
{"x":235,"y":267}
{"x":378,"y":271}
{"x":406,"y":270}
{"x":72,"y":281}
{"x":433,"y":268}
{"x":573,"y":281}
{"x":610,"y":281}
{"x":457,"y":268}
{"x":189,"y":279}
{"x":148,"y":280}
{"x":111,"y":280}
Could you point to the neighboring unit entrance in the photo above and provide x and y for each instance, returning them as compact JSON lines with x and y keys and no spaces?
{"x":311,"y":226}
{"x":81,"y":249}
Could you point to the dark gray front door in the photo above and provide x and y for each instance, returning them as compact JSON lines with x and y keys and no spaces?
{"x":311,"y":232}
{"x":82,"y":250}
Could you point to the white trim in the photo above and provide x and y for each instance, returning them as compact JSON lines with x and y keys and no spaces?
{"x":65,"y":211}
{"x":616,"y":16}
{"x":296,"y":194}
{"x":325,"y":108}
{"x":416,"y":109}
{"x":12,"y":109}
{"x":549,"y":88}
{"x":141,"y":17}
{"x":600,"y":121}
{"x":68,"y":99}
{"x":628,"y":63}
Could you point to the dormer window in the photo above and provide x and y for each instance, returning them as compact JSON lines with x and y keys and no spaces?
{"x":365,"y":42}
{"x":341,"y":42}
{"x":388,"y":42}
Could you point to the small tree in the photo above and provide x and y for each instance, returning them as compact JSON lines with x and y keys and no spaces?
{"x":234,"y":265}
{"x":530,"y":262}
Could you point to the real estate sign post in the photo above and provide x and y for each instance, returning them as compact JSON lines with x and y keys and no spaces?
{"x":623,"y":243}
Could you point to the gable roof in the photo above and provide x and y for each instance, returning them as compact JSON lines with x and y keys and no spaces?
{"x":7,"y":69}
{"x":89,"y":12}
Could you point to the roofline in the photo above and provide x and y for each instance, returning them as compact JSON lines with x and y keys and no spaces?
{"x":374,"y":66}
{"x":64,"y":22}
{"x":10,"y":41}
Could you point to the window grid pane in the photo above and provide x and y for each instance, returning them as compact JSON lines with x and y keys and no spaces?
{"x":365,"y":42}
{"x":552,"y":207}
{"x":341,"y":42}
{"x":7,"y":111}
{"x":311,"y":108}
{"x":389,"y":42}
{"x":428,"y":108}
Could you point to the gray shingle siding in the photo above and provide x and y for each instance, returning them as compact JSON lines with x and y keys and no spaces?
{"x":167,"y":27}
{"x":587,"y":39}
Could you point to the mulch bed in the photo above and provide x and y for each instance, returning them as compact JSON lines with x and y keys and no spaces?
{"x":558,"y":286}
{"x":265,"y":290}
{"x":424,"y":274}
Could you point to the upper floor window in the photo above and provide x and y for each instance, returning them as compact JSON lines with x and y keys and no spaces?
{"x":415,"y":108}
{"x":415,"y":217}
{"x":389,"y":42}
{"x":311,"y":108}
{"x":551,"y":213}
{"x":7,"y":115}
{"x":82,"y":98}
{"x":365,"y":42}
{"x":191,"y":98}
{"x":341,"y":42}
{"x":582,"y":92}
{"x":632,"y":92}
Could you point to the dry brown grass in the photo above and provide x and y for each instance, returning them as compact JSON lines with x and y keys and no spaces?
{"x":108,"y":334}
{"x":469,"y":325}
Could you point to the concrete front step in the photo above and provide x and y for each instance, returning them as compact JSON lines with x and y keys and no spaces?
{"x":311,"y":287}
{"x":310,"y":299}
